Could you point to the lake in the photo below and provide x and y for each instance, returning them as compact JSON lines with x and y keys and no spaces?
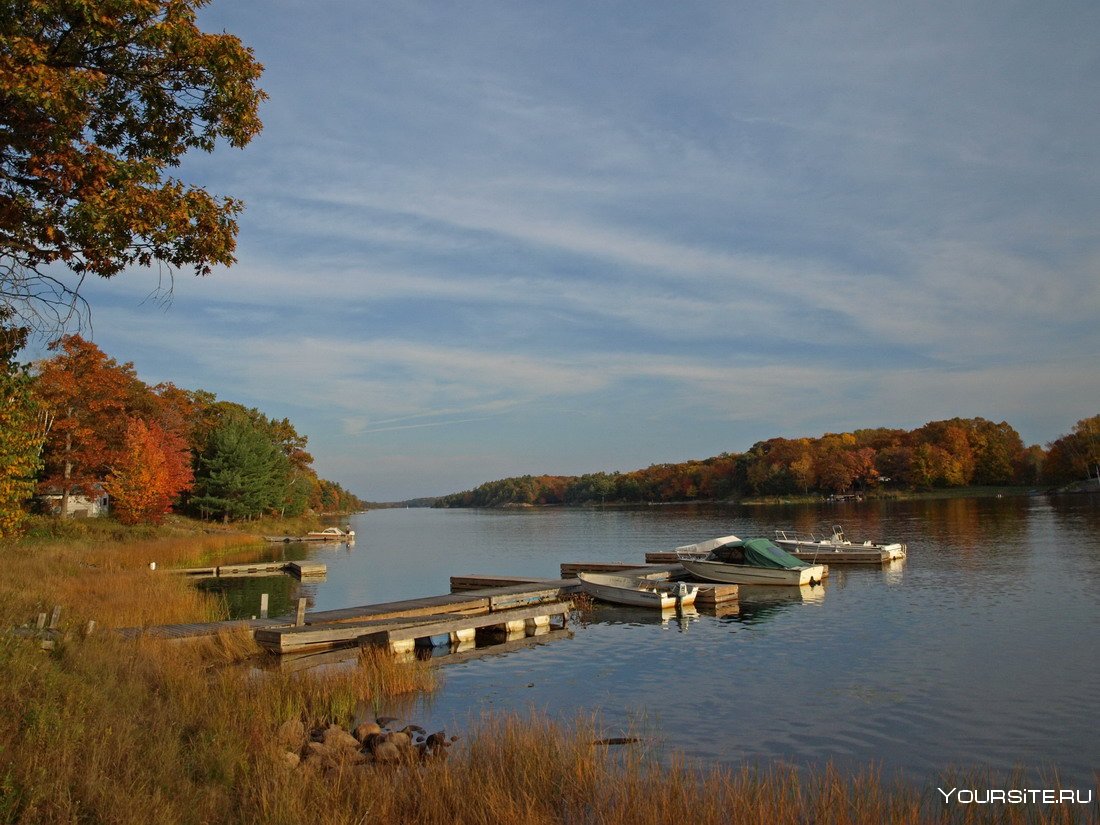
{"x":978,"y":652}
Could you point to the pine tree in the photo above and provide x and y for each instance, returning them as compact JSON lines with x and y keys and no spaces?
{"x":241,"y":473}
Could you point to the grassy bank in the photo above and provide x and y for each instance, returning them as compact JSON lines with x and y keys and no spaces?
{"x":106,"y":730}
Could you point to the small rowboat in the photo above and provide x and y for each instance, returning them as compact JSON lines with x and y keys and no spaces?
{"x":637,"y":591}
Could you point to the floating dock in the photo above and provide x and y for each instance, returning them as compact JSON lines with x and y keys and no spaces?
{"x":508,"y":606}
{"x":301,"y":569}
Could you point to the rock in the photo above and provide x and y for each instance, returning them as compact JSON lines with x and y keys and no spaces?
{"x":401,"y":739}
{"x":387,"y":752}
{"x":364,"y":730}
{"x":372,"y":741}
{"x":291,"y":760}
{"x":336,"y":737}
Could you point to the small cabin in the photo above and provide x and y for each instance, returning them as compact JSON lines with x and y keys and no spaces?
{"x":83,"y":503}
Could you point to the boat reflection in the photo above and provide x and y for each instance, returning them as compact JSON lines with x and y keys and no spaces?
{"x":759,"y":603}
{"x":672,"y":618}
{"x":891,"y":572}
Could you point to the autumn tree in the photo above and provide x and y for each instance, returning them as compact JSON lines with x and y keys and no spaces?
{"x":23,"y":427}
{"x":99,"y":100}
{"x":1076,"y":455}
{"x":152,"y":469}
{"x":89,"y":396}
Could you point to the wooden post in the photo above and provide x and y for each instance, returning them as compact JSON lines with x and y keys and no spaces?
{"x":89,"y":629}
{"x":300,"y":618}
{"x":56,"y":617}
{"x":41,"y":621}
{"x":263,"y":605}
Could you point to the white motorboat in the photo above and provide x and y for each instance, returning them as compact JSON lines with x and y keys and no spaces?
{"x":733,"y":560}
{"x":837,"y":547}
{"x":637,"y":591}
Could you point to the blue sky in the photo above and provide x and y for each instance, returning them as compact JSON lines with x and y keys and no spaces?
{"x":493,"y":238}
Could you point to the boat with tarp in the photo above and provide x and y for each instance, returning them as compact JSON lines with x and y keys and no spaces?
{"x":747,"y":561}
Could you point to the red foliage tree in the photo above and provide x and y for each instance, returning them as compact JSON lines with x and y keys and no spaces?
{"x":88,"y":395}
{"x":152,"y":469}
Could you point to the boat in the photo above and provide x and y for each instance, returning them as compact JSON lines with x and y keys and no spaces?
{"x":638,"y":591}
{"x":328,"y":534}
{"x":730,"y":559}
{"x":836,"y":547}
{"x":331,"y":534}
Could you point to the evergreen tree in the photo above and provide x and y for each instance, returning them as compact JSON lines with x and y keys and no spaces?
{"x":241,"y":473}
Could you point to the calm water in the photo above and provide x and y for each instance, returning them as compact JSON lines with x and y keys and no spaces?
{"x":980,"y":651}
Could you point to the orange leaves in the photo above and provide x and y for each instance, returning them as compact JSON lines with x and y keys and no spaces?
{"x":153,"y":468}
{"x":100,"y":100}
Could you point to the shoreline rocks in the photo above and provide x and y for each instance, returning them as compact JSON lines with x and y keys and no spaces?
{"x":371,"y":743}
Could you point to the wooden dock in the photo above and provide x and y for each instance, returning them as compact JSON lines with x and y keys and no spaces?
{"x":497,"y":605}
{"x":402,"y":634}
{"x":301,"y":569}
{"x":501,"y":605}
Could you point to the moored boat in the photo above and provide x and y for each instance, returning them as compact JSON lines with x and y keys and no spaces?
{"x":332,"y":534}
{"x":637,"y":591}
{"x":328,"y":534}
{"x":837,"y":547}
{"x":746,"y":561}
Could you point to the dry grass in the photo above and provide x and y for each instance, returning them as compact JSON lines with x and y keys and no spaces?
{"x":110,"y":581}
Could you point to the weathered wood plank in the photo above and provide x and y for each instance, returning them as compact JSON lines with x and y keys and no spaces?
{"x":451,"y":603}
{"x":453,"y":624}
{"x":479,"y":582}
{"x":303,"y":569}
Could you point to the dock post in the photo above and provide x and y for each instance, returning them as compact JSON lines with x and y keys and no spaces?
{"x":263,"y":605}
{"x":89,"y":628}
{"x":41,"y":621}
{"x":300,"y":616}
{"x":533,"y":624}
{"x":56,"y":617}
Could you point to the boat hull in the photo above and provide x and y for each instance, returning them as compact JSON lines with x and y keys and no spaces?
{"x":724,"y":572}
{"x":623,"y":590}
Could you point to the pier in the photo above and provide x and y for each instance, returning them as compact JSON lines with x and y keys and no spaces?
{"x":479,"y":605}
{"x":301,"y":569}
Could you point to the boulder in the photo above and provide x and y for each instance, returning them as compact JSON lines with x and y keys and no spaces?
{"x":364,"y":730}
{"x":336,"y":737}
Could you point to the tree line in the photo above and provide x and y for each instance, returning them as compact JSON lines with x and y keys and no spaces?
{"x":81,"y":424}
{"x":957,"y":452}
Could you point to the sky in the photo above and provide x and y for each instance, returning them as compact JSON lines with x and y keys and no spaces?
{"x":487,"y":239}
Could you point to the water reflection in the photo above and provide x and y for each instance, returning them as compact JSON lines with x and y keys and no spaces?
{"x":972,"y":652}
{"x":670,"y":619}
